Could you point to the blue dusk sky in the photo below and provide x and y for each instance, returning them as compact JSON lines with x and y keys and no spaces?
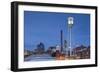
{"x":45,"y":27}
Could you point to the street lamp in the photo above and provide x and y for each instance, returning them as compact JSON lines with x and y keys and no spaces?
{"x":70,"y":24}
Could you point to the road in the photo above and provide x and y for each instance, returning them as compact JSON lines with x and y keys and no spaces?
{"x":42,"y":57}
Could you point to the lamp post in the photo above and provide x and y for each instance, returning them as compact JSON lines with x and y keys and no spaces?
{"x":70,"y":24}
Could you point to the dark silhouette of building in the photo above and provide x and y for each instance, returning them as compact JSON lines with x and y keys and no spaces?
{"x":40,"y":48}
{"x":27,"y":53}
{"x":82,"y":52}
{"x":51,"y":49}
{"x":61,"y":34}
